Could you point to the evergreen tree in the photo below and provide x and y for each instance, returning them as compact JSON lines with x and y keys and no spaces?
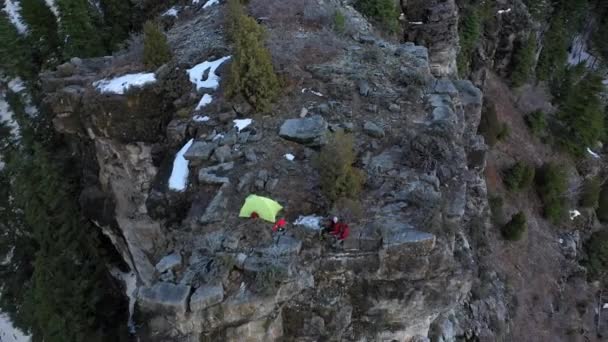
{"x":339,"y":179}
{"x":251,"y":72}
{"x":515,"y":228}
{"x":118,"y":21}
{"x":81,"y":38}
{"x":383,"y":11}
{"x":523,"y":60}
{"x":15,"y":58}
{"x":551,"y":186}
{"x":469,"y":31}
{"x":156,"y":48}
{"x":43,"y":32}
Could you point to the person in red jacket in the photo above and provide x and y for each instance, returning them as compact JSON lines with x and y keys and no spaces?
{"x":280,"y":225}
{"x":340,"y":230}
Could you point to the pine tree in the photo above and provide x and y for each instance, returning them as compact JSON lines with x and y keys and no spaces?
{"x":383,"y":11}
{"x":81,"y":38}
{"x":515,"y":228}
{"x":251,"y":72}
{"x":523,"y":60}
{"x":44,"y":36}
{"x":156,"y":48}
{"x":339,"y":179}
{"x":117,"y":15}
{"x":15,"y":58}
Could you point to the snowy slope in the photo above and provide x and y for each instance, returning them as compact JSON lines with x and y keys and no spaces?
{"x":8,"y":333}
{"x":53,"y":7}
{"x":179,"y":176}
{"x":120,"y":85}
{"x":12,"y":8}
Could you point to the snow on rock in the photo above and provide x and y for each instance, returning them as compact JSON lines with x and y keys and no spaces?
{"x":605,"y":306}
{"x":579,"y":54}
{"x":200,"y":118}
{"x":210,"y":3}
{"x":121,"y":84}
{"x":13,"y":10}
{"x":593,"y":154}
{"x":195,"y":2}
{"x":218,"y":136}
{"x":198,"y":72}
{"x":311,"y":222}
{"x":8,"y":333}
{"x":6,"y":115}
{"x":504,"y":11}
{"x":312,"y":92}
{"x":16,"y":85}
{"x":289,"y":156}
{"x":179,"y":176}
{"x":171,"y":12}
{"x":130,"y":281}
{"x":53,"y":7}
{"x":204,"y":101}
{"x":574,"y":214}
{"x":416,"y":22}
{"x":240,"y":124}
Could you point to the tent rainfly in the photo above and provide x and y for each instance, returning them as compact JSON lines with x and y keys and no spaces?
{"x":266,"y":208}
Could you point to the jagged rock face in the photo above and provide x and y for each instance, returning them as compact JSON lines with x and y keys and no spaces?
{"x":219,"y":277}
{"x":434,"y":24}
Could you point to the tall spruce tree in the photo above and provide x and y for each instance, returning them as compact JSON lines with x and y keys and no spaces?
{"x":15,"y":58}
{"x":523,"y":60}
{"x":156,"y":49}
{"x":80,"y":37}
{"x":43,"y":34}
{"x":118,"y":21}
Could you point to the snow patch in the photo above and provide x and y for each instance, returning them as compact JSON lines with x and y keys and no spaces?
{"x":130,"y":281}
{"x":210,"y":3}
{"x":179,"y":176}
{"x":311,"y":222}
{"x":240,"y":124}
{"x":6,"y":116}
{"x":593,"y":154}
{"x":605,"y":306}
{"x":16,"y":85}
{"x":8,"y":333}
{"x":218,"y":136}
{"x":304,"y":90}
{"x":204,"y":101}
{"x":200,"y":118}
{"x":198,"y":72}
{"x":53,"y":7}
{"x":195,"y":1}
{"x":578,"y":53}
{"x":289,"y":156}
{"x":171,"y":12}
{"x":416,"y":22}
{"x":13,"y":10}
{"x":121,"y":84}
{"x":574,"y":214}
{"x":504,"y":11}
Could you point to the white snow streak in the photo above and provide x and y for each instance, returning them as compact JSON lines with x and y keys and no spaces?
{"x":8,"y":333}
{"x":312,"y":92}
{"x":574,"y":214}
{"x":179,"y":176}
{"x":210,"y":3}
{"x":53,"y":7}
{"x":198,"y":72}
{"x":289,"y":156}
{"x":130,"y":281}
{"x":579,"y":54}
{"x":13,"y":10}
{"x":205,"y":100}
{"x":6,"y":117}
{"x":504,"y":11}
{"x":310,"y":222}
{"x":171,"y":12}
{"x":416,"y":22}
{"x":241,"y":124}
{"x":200,"y":118}
{"x":121,"y":84}
{"x":593,"y":154}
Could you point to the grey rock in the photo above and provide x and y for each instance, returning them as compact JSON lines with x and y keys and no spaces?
{"x":244,"y":181}
{"x":226,"y":116}
{"x":445,"y":86}
{"x":206,"y":296}
{"x":168,"y":277}
{"x":259,"y":184}
{"x":393,"y":107}
{"x":229,"y":138}
{"x":164,"y":297}
{"x":263,"y":175}
{"x":255,"y":136}
{"x":569,"y":243}
{"x":373,"y":130}
{"x":323,"y":109}
{"x":209,"y":175}
{"x":243,"y":137}
{"x":251,"y":156}
{"x":66,"y":70}
{"x":364,"y":88}
{"x":222,"y":154}
{"x":169,"y":262}
{"x":349,"y":126}
{"x":271,"y":184}
{"x":200,"y":151}
{"x":216,"y":210}
{"x":372,"y":108}
{"x":311,"y":131}
{"x":176,"y":131}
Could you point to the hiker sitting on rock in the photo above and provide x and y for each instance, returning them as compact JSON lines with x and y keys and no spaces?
{"x":280,"y":225}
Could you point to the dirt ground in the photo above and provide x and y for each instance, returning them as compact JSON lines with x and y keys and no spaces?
{"x":552,"y":302}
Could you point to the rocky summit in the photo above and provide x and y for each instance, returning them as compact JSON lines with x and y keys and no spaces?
{"x":313,"y":170}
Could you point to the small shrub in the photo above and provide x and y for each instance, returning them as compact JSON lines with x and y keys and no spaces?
{"x":519,"y":177}
{"x":469,"y":32}
{"x":602,"y":208}
{"x":537,"y":123}
{"x":551,"y":186}
{"x":591,"y":192}
{"x":496,"y":208}
{"x":523,"y":61}
{"x":339,"y":22}
{"x":489,"y":126}
{"x":156,"y":48}
{"x":251,"y":72}
{"x":514,"y":230}
{"x":597,"y":256}
{"x":382,"y":11}
{"x":339,"y":179}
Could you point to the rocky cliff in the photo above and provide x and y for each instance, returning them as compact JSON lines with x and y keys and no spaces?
{"x":407,"y":270}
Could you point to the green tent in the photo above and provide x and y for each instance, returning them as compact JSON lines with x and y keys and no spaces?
{"x":266,"y":208}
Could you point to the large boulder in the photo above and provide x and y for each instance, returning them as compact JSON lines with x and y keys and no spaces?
{"x":206,"y":296}
{"x":310,"y":131}
{"x":164,"y":297}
